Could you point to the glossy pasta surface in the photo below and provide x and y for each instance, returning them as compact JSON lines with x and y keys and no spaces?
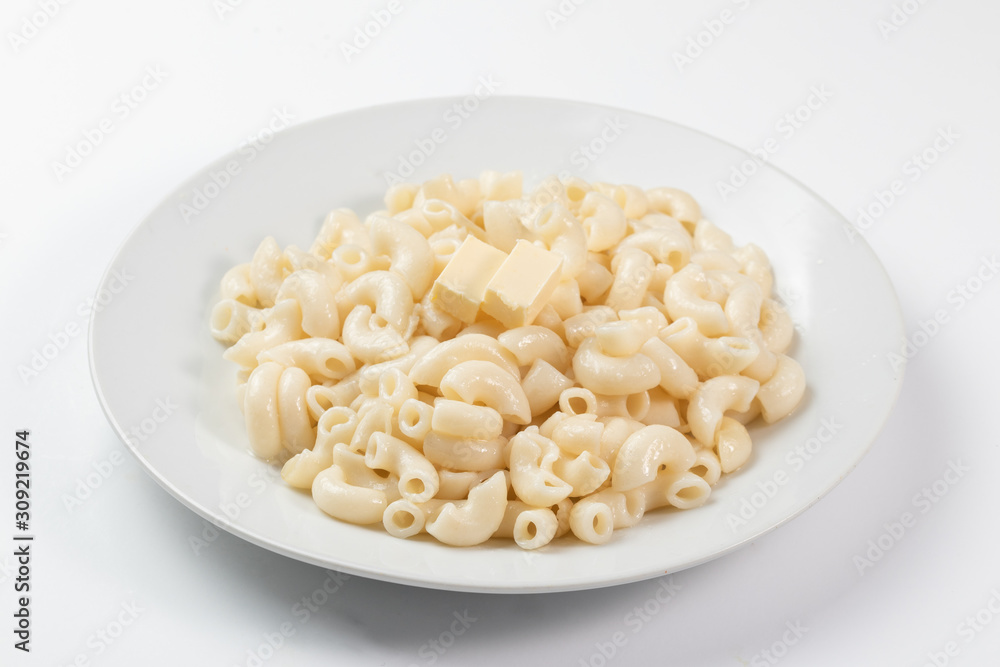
{"x":477,"y":361}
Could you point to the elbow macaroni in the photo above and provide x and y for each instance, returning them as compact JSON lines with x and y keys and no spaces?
{"x":478,"y":361}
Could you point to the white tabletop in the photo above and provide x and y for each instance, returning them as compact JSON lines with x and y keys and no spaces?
{"x":897,"y":565}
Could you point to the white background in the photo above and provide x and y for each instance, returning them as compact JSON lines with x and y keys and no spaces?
{"x":123,"y":554}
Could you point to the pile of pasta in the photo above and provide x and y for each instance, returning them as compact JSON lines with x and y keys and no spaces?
{"x":475,"y":361}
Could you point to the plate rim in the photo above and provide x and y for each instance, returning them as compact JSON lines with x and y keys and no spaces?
{"x":374,"y":573}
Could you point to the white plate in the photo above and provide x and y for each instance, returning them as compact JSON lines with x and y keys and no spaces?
{"x":168,"y":393}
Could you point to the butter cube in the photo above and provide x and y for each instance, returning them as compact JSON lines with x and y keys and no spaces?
{"x":460,"y":288}
{"x":522,"y":285}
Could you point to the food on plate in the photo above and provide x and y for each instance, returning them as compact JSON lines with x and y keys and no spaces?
{"x":475,"y":361}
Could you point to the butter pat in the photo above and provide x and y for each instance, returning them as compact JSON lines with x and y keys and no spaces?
{"x":522,"y":285}
{"x":460,"y":288}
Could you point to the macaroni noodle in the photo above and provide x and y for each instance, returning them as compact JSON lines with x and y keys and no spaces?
{"x":477,"y":362}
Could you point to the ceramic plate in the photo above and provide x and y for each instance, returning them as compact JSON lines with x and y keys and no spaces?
{"x":168,"y":393}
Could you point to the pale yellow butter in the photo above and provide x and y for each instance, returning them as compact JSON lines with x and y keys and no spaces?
{"x":460,"y":288}
{"x":522,"y":285}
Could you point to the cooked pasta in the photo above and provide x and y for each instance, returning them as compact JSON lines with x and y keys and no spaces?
{"x":477,"y":360}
